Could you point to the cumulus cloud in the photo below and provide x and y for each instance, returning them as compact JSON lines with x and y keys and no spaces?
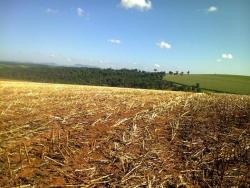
{"x":138,"y":4}
{"x":157,"y":65}
{"x":51,"y":11}
{"x":80,"y":11}
{"x":114,"y":41}
{"x":227,"y":56}
{"x":212,"y":9}
{"x":163,"y":45}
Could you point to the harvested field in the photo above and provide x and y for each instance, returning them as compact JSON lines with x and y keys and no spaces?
{"x":79,"y":136}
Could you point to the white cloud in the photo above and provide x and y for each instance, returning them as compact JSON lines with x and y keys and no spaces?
{"x":52,"y":55}
{"x":69,"y":59}
{"x":163,"y":45}
{"x":114,"y":41}
{"x":80,"y":12}
{"x":101,"y":61}
{"x":157,"y":65}
{"x":138,"y":4}
{"x":227,"y":56}
{"x":52,"y":11}
{"x":212,"y":9}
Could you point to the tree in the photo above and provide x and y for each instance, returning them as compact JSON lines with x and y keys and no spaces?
{"x":181,"y":73}
{"x":170,"y":73}
{"x":198,"y":89}
{"x":188,"y":72}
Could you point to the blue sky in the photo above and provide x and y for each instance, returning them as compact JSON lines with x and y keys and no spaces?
{"x":203,"y":36}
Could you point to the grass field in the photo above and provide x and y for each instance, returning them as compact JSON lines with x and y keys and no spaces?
{"x":54,"y":135}
{"x":223,"y":83}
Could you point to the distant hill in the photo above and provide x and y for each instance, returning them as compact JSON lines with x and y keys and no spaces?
{"x":217,"y":82}
{"x":6,"y":63}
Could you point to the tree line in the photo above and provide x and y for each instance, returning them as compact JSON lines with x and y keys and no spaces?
{"x":131,"y":78}
{"x":178,"y":73}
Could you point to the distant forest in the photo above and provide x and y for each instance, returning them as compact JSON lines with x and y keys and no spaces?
{"x":87,"y":76}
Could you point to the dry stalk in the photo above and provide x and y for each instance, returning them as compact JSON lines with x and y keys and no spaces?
{"x":59,"y":136}
{"x":100,"y":178}
{"x":24,"y":186}
{"x":52,"y":138}
{"x":88,"y":169}
{"x":58,"y":147}
{"x":54,"y":161}
{"x":20,"y":156}
{"x":68,"y":153}
{"x":67,"y":139}
{"x":149,"y":134}
{"x":26,"y":153}
{"x":9,"y":166}
{"x":93,"y":124}
{"x":175,"y":127}
{"x":124,"y":178}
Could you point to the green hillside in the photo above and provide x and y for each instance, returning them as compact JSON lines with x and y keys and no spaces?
{"x":224,"y":83}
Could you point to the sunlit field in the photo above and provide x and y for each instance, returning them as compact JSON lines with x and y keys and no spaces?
{"x":54,"y":135}
{"x":221,"y":83}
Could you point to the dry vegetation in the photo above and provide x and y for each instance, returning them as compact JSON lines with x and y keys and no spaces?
{"x":79,"y":136}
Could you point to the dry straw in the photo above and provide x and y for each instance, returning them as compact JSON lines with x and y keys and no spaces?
{"x":83,"y":136}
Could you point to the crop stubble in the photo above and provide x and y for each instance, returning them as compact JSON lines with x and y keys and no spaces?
{"x":84,"y":136}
